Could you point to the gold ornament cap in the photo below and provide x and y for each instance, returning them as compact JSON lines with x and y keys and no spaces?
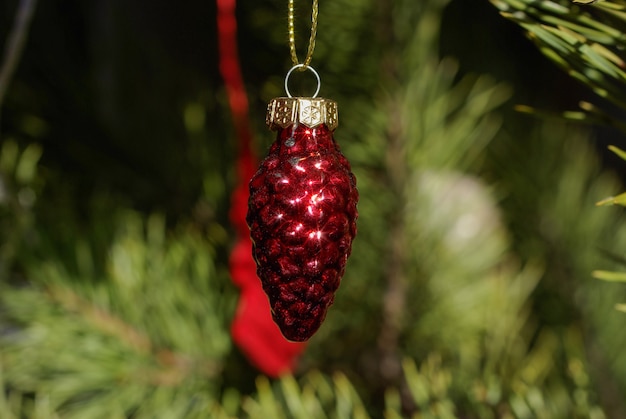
{"x":312,"y":112}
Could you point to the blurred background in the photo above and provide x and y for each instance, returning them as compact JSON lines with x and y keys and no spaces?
{"x":469,"y":292}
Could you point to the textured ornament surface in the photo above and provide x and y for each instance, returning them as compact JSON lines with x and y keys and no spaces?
{"x":302,"y":217}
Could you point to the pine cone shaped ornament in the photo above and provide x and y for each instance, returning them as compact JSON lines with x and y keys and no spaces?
{"x":302,"y":214}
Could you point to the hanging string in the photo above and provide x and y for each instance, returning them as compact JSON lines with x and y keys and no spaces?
{"x":292,"y":35}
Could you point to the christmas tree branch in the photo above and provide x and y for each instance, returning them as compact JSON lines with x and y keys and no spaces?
{"x":147,"y":329}
{"x":163,"y":367}
{"x":143,"y":331}
{"x":585,"y":40}
{"x":15,"y":44}
{"x":100,"y":319}
{"x":394,"y":298}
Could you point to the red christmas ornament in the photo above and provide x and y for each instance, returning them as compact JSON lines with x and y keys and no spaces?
{"x":302,"y":214}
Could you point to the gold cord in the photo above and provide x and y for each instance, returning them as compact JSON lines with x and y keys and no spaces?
{"x":292,"y":35}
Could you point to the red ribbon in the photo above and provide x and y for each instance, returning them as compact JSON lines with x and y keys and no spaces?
{"x":253,"y":329}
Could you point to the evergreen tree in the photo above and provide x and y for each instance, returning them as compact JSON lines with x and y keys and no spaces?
{"x":468,"y":292}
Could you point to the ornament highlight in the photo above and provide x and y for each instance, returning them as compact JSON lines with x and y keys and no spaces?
{"x":302,"y":214}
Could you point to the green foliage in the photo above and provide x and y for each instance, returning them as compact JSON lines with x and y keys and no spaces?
{"x":146,"y":336}
{"x":466,"y":295}
{"x":621,"y":198}
{"x":613,"y":200}
{"x":587,"y":41}
{"x":584,"y":38}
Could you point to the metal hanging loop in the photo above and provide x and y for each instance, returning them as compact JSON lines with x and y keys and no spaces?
{"x":304,"y":67}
